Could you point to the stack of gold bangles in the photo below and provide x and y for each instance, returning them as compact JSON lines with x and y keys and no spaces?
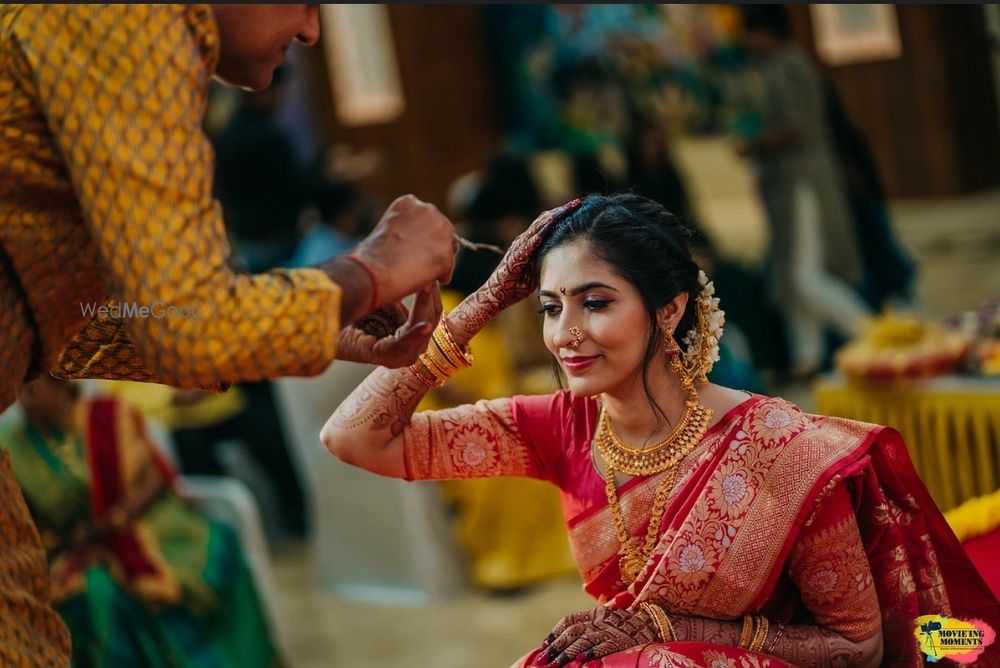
{"x":442,"y":358}
{"x":754,"y":633}
{"x":661,"y":620}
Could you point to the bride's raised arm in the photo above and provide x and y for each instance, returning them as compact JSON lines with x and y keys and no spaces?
{"x":367,"y":429}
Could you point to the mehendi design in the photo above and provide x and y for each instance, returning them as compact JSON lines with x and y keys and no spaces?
{"x":803,"y":646}
{"x":512,"y":281}
{"x":386,"y":399}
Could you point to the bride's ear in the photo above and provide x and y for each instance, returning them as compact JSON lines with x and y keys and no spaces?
{"x":669,"y":315}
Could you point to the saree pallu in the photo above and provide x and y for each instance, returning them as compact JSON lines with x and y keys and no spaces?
{"x":802,"y":518}
{"x":158,"y":585}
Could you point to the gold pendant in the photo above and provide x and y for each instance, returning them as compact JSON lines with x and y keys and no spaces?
{"x":629,"y":568}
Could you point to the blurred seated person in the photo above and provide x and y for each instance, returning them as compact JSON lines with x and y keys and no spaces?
{"x":140,"y":577}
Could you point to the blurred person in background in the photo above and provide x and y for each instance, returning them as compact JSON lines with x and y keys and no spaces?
{"x":259,"y":181}
{"x":814,"y":260}
{"x":510,"y":529}
{"x":139,"y":576}
{"x":651,"y":169}
{"x":889,"y":272}
{"x":106,"y":199}
{"x":340,"y":210}
{"x":712,"y":526}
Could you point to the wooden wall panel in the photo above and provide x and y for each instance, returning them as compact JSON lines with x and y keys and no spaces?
{"x":931,"y":115}
{"x":449,"y":126}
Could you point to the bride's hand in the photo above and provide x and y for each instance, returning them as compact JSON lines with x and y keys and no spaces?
{"x":591,"y":634}
{"x":512,"y":281}
{"x":389,"y":336}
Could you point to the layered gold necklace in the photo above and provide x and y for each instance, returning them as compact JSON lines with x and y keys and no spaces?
{"x":658,"y":458}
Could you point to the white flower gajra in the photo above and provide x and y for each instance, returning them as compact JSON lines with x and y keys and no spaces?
{"x":711,"y":320}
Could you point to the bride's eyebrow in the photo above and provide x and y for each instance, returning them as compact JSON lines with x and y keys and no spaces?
{"x":578,"y":289}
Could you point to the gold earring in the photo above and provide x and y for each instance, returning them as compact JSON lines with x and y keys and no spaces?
{"x":675,"y":358}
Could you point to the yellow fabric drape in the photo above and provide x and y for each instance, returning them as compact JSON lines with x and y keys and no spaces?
{"x":951,"y":426}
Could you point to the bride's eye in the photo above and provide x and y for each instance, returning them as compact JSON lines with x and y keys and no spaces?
{"x":550,"y":309}
{"x":596,"y":304}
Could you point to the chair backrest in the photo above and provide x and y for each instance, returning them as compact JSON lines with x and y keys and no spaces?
{"x":372,"y":538}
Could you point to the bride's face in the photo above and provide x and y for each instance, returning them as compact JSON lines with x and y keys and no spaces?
{"x":584,"y":299}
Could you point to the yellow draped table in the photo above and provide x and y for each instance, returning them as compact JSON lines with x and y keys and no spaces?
{"x":951,"y":426}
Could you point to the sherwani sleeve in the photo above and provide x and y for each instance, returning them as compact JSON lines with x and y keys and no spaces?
{"x":123,"y":89}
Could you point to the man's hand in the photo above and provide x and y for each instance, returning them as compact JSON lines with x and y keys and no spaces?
{"x":591,"y":634}
{"x":379,"y":338}
{"x":411,"y":247}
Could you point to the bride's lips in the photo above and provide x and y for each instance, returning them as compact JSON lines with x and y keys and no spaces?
{"x":577,"y":363}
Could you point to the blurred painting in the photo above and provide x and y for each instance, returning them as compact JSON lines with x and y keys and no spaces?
{"x":361,"y":59}
{"x":850,"y":34}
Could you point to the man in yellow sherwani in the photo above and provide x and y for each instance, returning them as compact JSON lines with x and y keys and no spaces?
{"x":113,"y":254}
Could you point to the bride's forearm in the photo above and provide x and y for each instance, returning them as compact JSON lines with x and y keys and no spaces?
{"x":471,"y":316}
{"x":806,"y":646}
{"x":372,"y":418}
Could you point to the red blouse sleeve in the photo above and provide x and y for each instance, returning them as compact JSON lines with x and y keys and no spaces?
{"x":830,"y":567}
{"x":471,"y":441}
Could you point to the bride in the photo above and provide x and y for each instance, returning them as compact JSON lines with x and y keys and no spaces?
{"x":711,"y":526}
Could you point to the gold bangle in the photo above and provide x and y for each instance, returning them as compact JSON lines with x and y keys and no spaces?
{"x":757,"y":644}
{"x":747,"y":631}
{"x":442,"y":336}
{"x":429,"y":382}
{"x":437,"y":363}
{"x":440,"y":376}
{"x":774,"y":641}
{"x":440,"y":361}
{"x":449,"y":356}
{"x":670,"y":625}
{"x":660,"y":620}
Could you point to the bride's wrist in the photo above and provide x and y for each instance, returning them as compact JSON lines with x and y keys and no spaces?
{"x":469,"y":318}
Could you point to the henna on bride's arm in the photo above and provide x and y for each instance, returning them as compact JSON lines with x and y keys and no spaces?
{"x":804,"y":646}
{"x":385,"y":400}
{"x":814,"y":646}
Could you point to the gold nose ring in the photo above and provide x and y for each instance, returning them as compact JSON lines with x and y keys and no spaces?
{"x":577,"y":337}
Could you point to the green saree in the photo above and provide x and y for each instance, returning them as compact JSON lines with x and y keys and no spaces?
{"x":140,"y":577}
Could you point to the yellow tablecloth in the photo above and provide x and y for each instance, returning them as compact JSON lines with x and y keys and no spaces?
{"x":951,"y":426}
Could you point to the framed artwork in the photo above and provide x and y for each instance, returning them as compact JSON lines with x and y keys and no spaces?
{"x":361,"y":60}
{"x":856,"y":33}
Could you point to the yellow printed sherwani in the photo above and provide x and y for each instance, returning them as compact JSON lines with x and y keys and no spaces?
{"x":105,"y":199}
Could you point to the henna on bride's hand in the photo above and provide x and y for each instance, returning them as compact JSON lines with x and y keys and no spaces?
{"x":387,"y":399}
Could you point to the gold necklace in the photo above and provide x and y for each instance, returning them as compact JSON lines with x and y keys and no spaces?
{"x":664,"y":456}
{"x":687,"y":433}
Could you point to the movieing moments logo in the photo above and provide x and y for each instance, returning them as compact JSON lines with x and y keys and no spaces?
{"x":961,"y":640}
{"x":120,"y":310}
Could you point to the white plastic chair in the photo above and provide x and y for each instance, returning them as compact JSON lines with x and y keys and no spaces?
{"x":372,"y":539}
{"x":229,"y":501}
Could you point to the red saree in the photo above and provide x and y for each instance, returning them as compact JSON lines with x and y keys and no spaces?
{"x":802,"y":518}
